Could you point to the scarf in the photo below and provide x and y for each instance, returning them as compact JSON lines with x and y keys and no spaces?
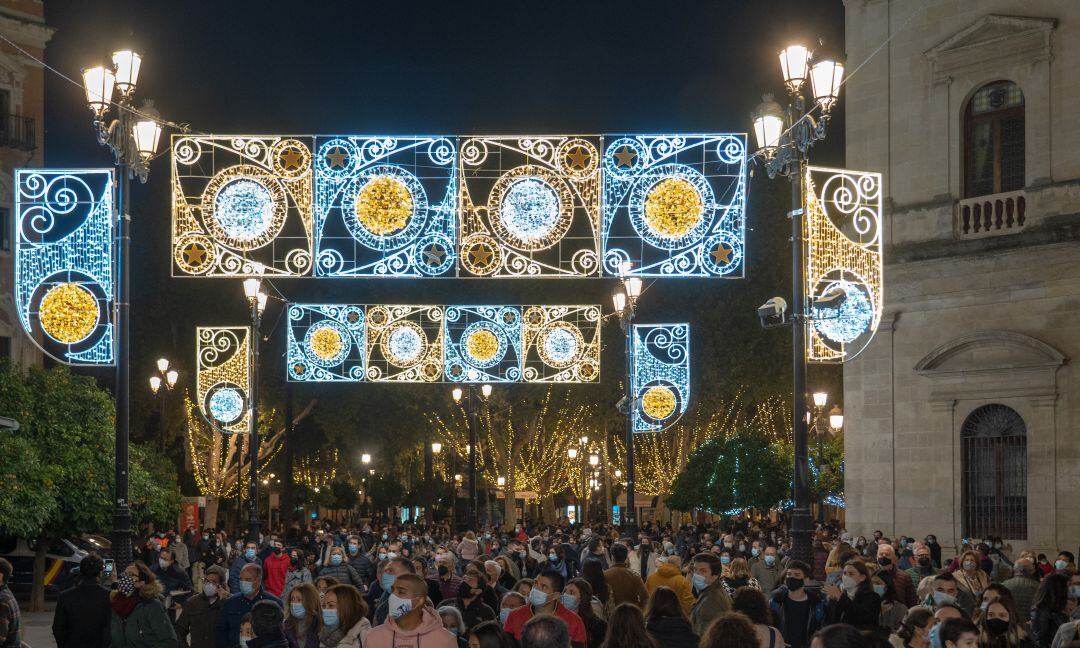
{"x":124,"y":605}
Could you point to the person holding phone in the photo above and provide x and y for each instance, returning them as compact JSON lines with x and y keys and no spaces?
{"x":198,"y":619}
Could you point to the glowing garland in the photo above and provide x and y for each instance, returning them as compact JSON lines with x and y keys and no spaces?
{"x":675,"y":205}
{"x":843,"y":253}
{"x":223,"y":376}
{"x":661,"y":378}
{"x":64,"y":272}
{"x":458,"y":344}
{"x":241,"y":205}
{"x":433,"y":206}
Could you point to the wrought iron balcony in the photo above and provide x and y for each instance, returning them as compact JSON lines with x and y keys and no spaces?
{"x":18,"y":132}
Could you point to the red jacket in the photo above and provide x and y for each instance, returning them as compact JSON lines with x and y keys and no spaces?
{"x":274,"y":569}
{"x":516,"y":621}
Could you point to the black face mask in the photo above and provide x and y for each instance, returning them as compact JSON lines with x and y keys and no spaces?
{"x":465,"y":590}
{"x":794,"y":584}
{"x":924,"y":562}
{"x":997,"y":627}
{"x":884,"y":561}
{"x":443,"y":570}
{"x":294,"y":561}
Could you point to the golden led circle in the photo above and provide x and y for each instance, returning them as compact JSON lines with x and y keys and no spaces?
{"x":673,"y":208}
{"x":326,"y":343}
{"x":658,"y":402}
{"x":68,"y":313}
{"x":482,"y":345}
{"x":384,"y":205}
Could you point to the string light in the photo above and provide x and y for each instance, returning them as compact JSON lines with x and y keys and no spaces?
{"x":218,"y":458}
{"x":64,"y":273}
{"x":222,"y":380}
{"x":673,"y":208}
{"x":384,"y":206}
{"x":843,"y":253}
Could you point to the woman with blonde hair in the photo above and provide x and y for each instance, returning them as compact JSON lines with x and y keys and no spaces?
{"x":303,"y":616}
{"x":835,"y":562}
{"x":970,"y":576}
{"x":739,"y":576}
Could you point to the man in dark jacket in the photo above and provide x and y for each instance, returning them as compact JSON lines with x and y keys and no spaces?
{"x":266,"y":621}
{"x":797,"y":612}
{"x":198,"y":622}
{"x":82,"y":612}
{"x":239,"y":604}
{"x":470,"y":601}
{"x":173,"y":578}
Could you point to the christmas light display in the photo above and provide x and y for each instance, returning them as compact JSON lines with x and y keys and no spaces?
{"x":223,"y":378}
{"x":64,"y":262}
{"x":530,"y":206}
{"x":241,"y":206}
{"x":674,"y":205}
{"x":385,"y":206}
{"x":562,"y":344}
{"x":456,"y":344}
{"x":843,"y":256}
{"x":661,"y":379}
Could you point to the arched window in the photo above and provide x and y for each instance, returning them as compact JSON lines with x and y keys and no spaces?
{"x":993,"y":446}
{"x":994,"y":140}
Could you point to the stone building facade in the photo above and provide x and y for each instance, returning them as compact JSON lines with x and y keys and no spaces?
{"x":962,"y":416}
{"x":22,"y":144}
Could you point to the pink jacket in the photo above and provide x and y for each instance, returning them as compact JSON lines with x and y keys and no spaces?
{"x":429,"y":634}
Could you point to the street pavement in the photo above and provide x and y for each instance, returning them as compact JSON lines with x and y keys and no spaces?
{"x":37,"y":627}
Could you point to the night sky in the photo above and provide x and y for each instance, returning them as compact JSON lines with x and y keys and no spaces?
{"x":345,"y":67}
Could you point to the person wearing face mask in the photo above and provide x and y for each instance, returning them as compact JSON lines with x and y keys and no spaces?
{"x":642,"y":560}
{"x":922,"y":563}
{"x":624,"y":586}
{"x":198,"y":620}
{"x":297,"y":574}
{"x":556,"y":560}
{"x":354,"y":549}
{"x":303,"y":616}
{"x":546,"y":598}
{"x":170,"y":574}
{"x":999,"y":627}
{"x":712,"y":599}
{"x":454,"y":624}
{"x":766,"y":569}
{"x":901,"y":581}
{"x":344,"y":618}
{"x":249,"y":592}
{"x":510,"y":602}
{"x":914,"y":631}
{"x":1048,"y":609}
{"x":669,"y":574}
{"x":577,"y":597}
{"x":797,"y":612}
{"x":410,"y":622}
{"x":139,"y":619}
{"x":340,"y":568}
{"x":970,"y":576}
{"x":393,"y":570}
{"x":854,"y":602}
{"x":470,"y":600}
{"x":893,"y":609}
{"x":248,"y":556}
{"x":276,"y":564}
{"x":947,"y":592}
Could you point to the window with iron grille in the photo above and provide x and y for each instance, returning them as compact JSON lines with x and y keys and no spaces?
{"x":993,"y":447}
{"x":994,"y":140}
{"x":5,"y":229}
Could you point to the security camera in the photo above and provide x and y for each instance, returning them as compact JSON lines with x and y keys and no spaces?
{"x":773,"y":313}
{"x":622,"y":405}
{"x":831,"y":300}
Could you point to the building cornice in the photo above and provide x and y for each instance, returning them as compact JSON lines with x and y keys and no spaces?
{"x":25,"y":32}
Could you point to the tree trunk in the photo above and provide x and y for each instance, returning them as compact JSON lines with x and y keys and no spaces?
{"x":37,"y":591}
{"x":210,"y":513}
{"x":509,"y":515}
{"x":547,"y":509}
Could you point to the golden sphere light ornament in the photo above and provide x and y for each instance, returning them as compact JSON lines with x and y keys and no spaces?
{"x":326,"y":343}
{"x":658,"y":402}
{"x":68,"y":313}
{"x":482,"y":345}
{"x":673,"y":208}
{"x":384,"y":205}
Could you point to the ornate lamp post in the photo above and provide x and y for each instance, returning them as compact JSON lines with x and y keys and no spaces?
{"x":625,"y":301}
{"x":168,"y":377}
{"x":133,"y":138}
{"x":257,"y":302}
{"x":784,"y":139}
{"x":472,"y":404}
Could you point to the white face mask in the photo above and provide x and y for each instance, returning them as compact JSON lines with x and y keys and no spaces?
{"x":209,"y":589}
{"x":397,"y":606}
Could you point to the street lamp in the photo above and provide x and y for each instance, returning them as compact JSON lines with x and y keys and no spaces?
{"x":256,"y":298}
{"x":836,"y":418}
{"x":365,"y":458}
{"x":133,"y":143}
{"x":168,"y":378}
{"x":471,"y":405}
{"x":625,"y":301}
{"x":436,"y":447}
{"x":784,"y":139}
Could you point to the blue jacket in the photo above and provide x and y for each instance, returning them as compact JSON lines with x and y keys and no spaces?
{"x":237,"y":605}
{"x":238,"y":563}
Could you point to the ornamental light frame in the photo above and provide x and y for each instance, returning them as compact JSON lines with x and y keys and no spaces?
{"x":65,"y":262}
{"x":661,"y":380}
{"x":223,"y":376}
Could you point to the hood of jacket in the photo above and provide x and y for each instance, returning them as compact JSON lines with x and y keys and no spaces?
{"x":430,"y":622}
{"x":147,"y":592}
{"x":667,"y":570}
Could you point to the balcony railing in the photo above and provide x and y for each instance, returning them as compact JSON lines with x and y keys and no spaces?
{"x":18,"y":132}
{"x":992,"y":215}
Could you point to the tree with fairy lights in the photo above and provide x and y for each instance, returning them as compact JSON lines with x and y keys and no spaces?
{"x":219,"y":460}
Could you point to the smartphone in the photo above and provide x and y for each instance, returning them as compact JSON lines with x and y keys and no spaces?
{"x":110,"y":564}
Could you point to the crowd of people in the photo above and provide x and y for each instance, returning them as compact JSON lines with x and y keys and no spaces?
{"x":561,"y":586}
